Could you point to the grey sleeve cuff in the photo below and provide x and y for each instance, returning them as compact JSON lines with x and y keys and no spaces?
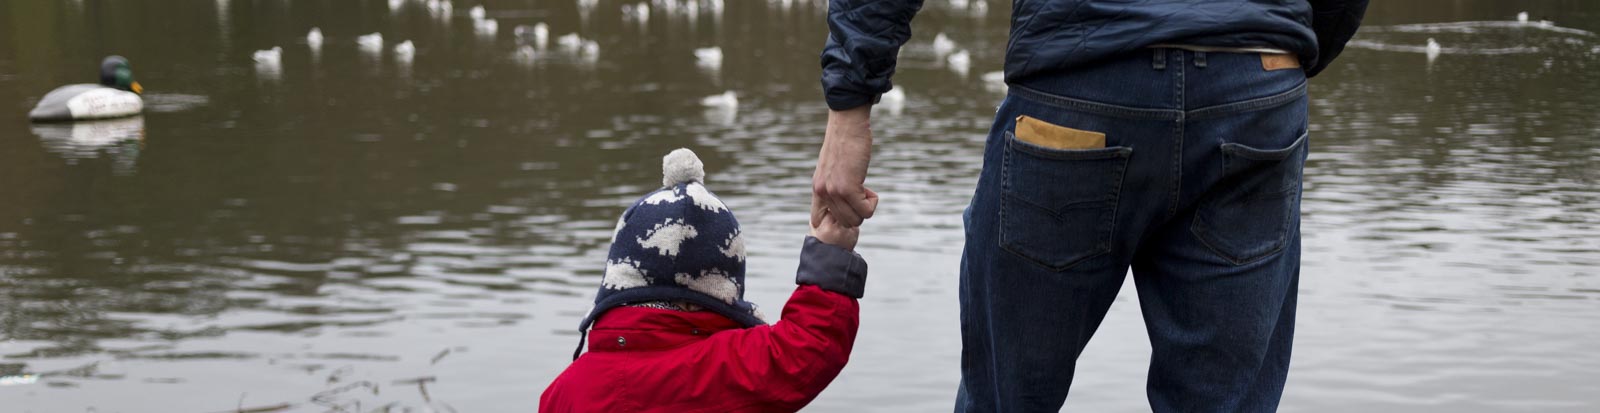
{"x":832,"y":268}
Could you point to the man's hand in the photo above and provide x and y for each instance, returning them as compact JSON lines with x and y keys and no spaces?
{"x":838,"y":187}
{"x":831,"y":233}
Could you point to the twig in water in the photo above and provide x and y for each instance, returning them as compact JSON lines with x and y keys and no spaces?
{"x":264,"y":409}
{"x":328,"y":397}
{"x":414,"y":380}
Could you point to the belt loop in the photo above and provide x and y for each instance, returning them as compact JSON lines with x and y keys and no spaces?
{"x":1159,"y":62}
{"x":1199,"y":59}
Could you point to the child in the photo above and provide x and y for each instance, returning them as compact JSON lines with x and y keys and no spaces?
{"x":672,"y":332}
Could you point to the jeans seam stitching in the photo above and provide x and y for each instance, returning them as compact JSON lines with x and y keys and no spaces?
{"x":1260,"y":103}
{"x":1177,"y":154}
{"x":1063,"y":102}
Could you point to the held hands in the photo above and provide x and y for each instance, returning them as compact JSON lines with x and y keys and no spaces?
{"x":832,"y":233}
{"x":838,"y":188}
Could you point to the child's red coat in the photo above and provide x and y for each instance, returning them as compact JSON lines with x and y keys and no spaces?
{"x":652,"y":360}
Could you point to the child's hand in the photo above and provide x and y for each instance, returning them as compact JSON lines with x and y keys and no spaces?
{"x":832,"y":233}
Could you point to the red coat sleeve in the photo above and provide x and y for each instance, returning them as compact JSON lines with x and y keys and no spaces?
{"x":782,"y":367}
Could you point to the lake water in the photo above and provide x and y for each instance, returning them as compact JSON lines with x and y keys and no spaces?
{"x":354,"y":228}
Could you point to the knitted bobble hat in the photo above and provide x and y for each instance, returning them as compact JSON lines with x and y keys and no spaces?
{"x":678,"y":243}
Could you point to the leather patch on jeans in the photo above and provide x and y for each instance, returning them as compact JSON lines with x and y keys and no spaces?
{"x":1050,"y":136}
{"x":1279,"y":61}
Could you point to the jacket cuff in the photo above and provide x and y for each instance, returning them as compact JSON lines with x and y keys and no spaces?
{"x":841,"y":94}
{"x":832,"y":268}
{"x":840,"y":100}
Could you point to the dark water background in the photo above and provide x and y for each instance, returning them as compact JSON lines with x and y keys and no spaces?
{"x":335,"y":229}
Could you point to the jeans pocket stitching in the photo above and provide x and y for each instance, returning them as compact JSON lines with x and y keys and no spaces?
{"x":1254,"y":154}
{"x":1230,"y":150}
{"x":1066,"y":154}
{"x":1107,"y":226}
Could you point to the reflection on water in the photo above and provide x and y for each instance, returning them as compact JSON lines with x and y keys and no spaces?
{"x":423,"y":229}
{"x":117,"y":139}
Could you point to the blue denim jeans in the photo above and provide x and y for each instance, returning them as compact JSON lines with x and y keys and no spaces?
{"x":1197,"y":190}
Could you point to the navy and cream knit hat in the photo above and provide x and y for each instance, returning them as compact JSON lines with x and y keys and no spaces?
{"x":677,"y":244}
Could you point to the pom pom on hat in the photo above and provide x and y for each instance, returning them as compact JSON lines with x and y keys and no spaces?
{"x":682,"y":166}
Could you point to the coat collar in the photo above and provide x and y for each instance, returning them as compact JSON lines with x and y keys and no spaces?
{"x":649,"y":329}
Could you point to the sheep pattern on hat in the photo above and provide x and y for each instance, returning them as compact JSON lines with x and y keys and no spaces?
{"x":678,"y":243}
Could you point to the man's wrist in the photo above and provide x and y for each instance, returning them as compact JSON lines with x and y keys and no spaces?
{"x":856,"y":114}
{"x":850,"y":124}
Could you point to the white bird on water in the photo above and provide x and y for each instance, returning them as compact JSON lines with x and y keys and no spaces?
{"x":405,"y":51}
{"x":637,"y":12}
{"x":590,"y":52}
{"x":477,"y":12}
{"x":942,"y":45}
{"x":587,"y":50}
{"x":893,"y":101}
{"x":1432,"y":49}
{"x":370,"y":42}
{"x":541,"y":35}
{"x":691,"y":10}
{"x":721,"y":109}
{"x":995,"y":81}
{"x":726,"y":100}
{"x":570,"y":42}
{"x":709,"y":57}
{"x":486,"y":27}
{"x":314,"y":39}
{"x":273,"y":56}
{"x":538,"y":34}
{"x":441,"y":8}
{"x":961,"y":62}
{"x":1522,"y":17}
{"x":269,"y":64}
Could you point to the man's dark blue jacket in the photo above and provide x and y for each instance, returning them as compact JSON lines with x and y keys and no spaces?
{"x":1053,"y":35}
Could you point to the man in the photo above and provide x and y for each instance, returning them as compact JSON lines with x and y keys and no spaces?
{"x":1163,"y":136}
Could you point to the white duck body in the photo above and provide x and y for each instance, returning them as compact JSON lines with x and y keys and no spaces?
{"x":86,"y":101}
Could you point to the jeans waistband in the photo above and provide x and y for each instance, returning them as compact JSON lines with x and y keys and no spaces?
{"x":1169,"y":83}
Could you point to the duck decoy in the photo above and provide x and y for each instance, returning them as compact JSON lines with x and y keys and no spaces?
{"x":116,"y":96}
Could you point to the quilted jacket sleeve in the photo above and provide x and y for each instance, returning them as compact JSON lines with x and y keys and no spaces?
{"x":1335,"y":22}
{"x":864,"y":37}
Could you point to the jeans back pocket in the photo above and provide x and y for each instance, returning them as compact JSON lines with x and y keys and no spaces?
{"x":1250,"y":214}
{"x":1058,"y":206}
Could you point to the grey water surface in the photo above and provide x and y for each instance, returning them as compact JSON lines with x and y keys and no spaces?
{"x":353,"y":229}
